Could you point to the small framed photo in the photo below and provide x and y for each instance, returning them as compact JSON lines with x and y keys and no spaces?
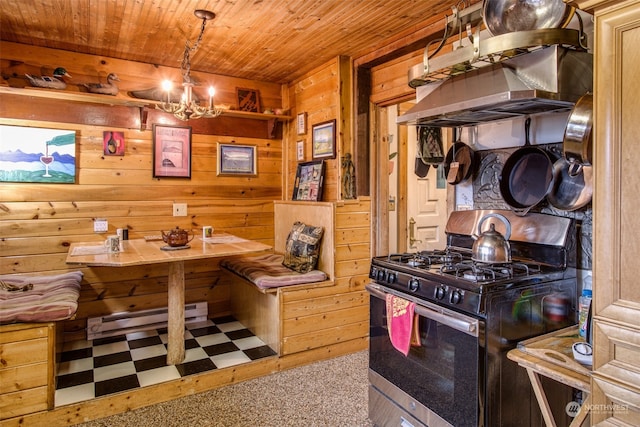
{"x":301,"y":123}
{"x":237,"y":159}
{"x":309,"y":181}
{"x":248,"y":100}
{"x":113,"y":143}
{"x":300,"y":150}
{"x":207,"y":232}
{"x":171,"y":151}
{"x":324,"y":140}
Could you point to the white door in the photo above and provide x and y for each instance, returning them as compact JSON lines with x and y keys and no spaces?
{"x":426,"y":203}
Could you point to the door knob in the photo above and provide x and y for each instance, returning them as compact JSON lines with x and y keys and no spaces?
{"x":412,"y":233}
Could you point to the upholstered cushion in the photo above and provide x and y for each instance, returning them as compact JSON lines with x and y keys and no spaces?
{"x":302,"y":247}
{"x":267,"y":271}
{"x":39,"y":298}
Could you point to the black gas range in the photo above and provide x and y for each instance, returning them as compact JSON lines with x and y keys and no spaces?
{"x":450,"y":278}
{"x":469,"y":315}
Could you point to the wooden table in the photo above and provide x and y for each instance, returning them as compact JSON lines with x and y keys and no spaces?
{"x":141,"y":252}
{"x":551,"y":355}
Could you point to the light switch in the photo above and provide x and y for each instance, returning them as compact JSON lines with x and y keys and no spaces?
{"x":100,"y":225}
{"x":179,"y":209}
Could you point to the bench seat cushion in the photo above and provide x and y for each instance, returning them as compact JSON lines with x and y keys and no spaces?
{"x":267,"y":271}
{"x":39,"y":298}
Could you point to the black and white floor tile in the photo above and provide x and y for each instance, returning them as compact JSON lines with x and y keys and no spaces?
{"x":90,"y":369}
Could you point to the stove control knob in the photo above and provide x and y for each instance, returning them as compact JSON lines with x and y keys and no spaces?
{"x":441,"y":291}
{"x":391,"y":277}
{"x":373,"y":273}
{"x":414,"y":284}
{"x":381,"y":275}
{"x":456,"y":297}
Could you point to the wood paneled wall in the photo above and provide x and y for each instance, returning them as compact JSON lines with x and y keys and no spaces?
{"x":38,"y":222}
{"x":323,"y":94}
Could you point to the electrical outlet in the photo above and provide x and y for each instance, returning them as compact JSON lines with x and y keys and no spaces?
{"x":179,"y":209}
{"x":100,"y":225}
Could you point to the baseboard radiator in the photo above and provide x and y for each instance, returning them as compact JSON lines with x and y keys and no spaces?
{"x":136,"y":321}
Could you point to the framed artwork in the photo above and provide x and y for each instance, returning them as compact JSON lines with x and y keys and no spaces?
{"x":37,"y":155}
{"x":324,"y":140}
{"x":113,"y":143}
{"x":248,"y":100}
{"x":171,"y":151}
{"x":301,"y":123}
{"x":309,"y":181}
{"x":300,"y":150}
{"x":237,"y":159}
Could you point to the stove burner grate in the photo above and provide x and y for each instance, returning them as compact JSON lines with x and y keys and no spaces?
{"x":425,"y":259}
{"x":483,"y":272}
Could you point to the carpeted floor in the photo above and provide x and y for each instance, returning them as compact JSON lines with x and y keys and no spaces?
{"x":330,"y":393}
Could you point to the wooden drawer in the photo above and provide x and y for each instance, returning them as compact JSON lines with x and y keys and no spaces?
{"x":27,"y":368}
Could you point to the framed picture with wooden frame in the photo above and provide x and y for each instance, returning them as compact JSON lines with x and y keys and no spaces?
{"x":236,"y":159}
{"x":171,"y":151}
{"x":309,"y":181}
{"x":323,"y":142}
{"x":301,"y":123}
{"x":248,"y":100}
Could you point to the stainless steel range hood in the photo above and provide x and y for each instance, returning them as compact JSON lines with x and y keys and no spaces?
{"x":547,"y":80}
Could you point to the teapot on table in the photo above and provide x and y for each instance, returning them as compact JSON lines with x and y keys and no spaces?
{"x":177,"y":237}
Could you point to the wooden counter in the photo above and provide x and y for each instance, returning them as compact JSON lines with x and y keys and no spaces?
{"x":551,"y":355}
{"x":142,"y":252}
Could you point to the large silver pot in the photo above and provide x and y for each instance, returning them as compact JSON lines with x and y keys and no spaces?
{"x":508,"y":16}
{"x":577,"y":142}
{"x":491,"y":246}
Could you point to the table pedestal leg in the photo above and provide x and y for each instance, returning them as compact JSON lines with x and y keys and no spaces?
{"x":175,"y":351}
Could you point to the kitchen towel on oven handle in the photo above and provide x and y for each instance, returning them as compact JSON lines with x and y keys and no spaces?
{"x":402,"y":323}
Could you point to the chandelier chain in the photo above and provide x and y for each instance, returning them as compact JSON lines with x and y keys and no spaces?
{"x":186,"y":59}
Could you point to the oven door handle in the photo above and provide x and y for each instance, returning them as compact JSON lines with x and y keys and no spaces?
{"x":449,"y":318}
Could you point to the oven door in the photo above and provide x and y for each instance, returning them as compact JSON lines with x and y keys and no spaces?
{"x":437,"y":383}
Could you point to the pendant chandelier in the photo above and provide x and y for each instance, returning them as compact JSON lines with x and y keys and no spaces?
{"x":187,"y":108}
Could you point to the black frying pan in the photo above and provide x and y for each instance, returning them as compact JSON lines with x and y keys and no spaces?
{"x":527,"y":176}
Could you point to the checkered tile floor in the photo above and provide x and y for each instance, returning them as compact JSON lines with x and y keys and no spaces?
{"x":90,"y":369}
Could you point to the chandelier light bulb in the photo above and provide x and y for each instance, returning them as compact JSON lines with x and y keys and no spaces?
{"x":212,"y":92}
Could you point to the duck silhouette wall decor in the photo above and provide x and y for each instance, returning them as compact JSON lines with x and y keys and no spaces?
{"x":51,"y":82}
{"x":108,"y":88}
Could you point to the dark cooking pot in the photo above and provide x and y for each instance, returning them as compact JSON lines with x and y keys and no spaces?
{"x":527,"y":176}
{"x":491,"y":246}
{"x":459,"y":163}
{"x":571,"y":190}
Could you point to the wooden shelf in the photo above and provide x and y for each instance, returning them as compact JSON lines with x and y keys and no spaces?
{"x":119,"y":99}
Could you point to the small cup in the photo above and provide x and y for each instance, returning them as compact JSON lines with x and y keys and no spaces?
{"x":112,"y":244}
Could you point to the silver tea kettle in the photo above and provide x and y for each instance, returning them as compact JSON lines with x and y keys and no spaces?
{"x":491,"y":246}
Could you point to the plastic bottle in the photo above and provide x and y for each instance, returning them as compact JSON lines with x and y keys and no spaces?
{"x":584,"y":303}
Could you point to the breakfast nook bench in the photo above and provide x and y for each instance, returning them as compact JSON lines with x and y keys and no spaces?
{"x":30,"y":306}
{"x":260,"y":283}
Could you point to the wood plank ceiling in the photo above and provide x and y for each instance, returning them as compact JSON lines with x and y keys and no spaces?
{"x":267,"y":40}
